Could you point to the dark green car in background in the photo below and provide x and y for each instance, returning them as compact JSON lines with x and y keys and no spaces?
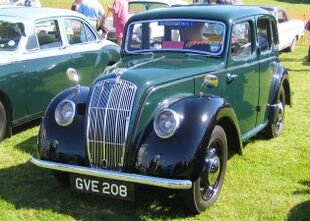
{"x":193,"y":84}
{"x":37,"y":46}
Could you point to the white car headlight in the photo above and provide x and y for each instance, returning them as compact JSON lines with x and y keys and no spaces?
{"x":166,"y":123}
{"x":65,"y":112}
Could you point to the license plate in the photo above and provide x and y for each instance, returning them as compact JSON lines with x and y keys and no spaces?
{"x":99,"y":186}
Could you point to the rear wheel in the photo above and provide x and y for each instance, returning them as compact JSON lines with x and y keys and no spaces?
{"x":273,"y":129}
{"x":292,"y":47}
{"x":207,"y":187}
{"x":3,"y":121}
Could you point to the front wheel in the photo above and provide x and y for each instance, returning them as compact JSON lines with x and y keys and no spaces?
{"x":292,"y":47}
{"x":207,"y":187}
{"x":3,"y":121}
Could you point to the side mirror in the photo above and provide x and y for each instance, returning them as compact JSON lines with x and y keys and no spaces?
{"x":73,"y":75}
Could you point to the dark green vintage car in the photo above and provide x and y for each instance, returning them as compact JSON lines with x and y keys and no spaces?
{"x":193,"y":84}
{"x":37,"y":46}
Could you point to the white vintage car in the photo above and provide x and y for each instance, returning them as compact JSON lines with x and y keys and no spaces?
{"x":135,"y":6}
{"x":290,"y":30}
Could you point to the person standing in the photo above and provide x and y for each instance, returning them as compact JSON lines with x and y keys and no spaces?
{"x":28,"y":3}
{"x":92,"y":9}
{"x":120,"y":16}
{"x":307,"y":27}
{"x":229,"y":2}
{"x":75,"y":5}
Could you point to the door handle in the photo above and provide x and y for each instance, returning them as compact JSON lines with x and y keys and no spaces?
{"x":230,"y":77}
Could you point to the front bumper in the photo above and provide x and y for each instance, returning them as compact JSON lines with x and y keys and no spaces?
{"x":127,"y":177}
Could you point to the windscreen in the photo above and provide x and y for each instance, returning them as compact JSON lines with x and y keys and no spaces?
{"x":10,"y":35}
{"x":194,"y":36}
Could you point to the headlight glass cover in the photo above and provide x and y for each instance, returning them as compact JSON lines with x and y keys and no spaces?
{"x":65,"y":112}
{"x":166,"y":123}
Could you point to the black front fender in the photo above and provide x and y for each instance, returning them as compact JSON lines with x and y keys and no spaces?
{"x":64,"y":144}
{"x":183,"y":155}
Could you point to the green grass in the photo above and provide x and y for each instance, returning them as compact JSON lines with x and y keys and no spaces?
{"x":271,"y":181}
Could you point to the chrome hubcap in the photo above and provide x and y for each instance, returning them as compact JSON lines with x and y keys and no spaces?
{"x":211,"y":173}
{"x":212,"y":162}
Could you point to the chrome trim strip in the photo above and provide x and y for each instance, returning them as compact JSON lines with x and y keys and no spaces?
{"x":127,"y":177}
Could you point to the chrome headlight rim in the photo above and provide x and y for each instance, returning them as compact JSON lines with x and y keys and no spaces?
{"x":59,"y":109}
{"x":156,"y":128}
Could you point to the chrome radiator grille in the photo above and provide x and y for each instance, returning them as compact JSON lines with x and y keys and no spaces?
{"x":107,"y":124}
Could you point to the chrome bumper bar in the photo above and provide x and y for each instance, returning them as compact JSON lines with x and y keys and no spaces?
{"x":127,"y":177}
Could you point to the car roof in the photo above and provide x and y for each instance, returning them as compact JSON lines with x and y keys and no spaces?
{"x":214,"y":12}
{"x":35,"y":13}
{"x":168,"y":2}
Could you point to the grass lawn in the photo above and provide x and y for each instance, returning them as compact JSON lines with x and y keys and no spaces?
{"x":271,"y":181}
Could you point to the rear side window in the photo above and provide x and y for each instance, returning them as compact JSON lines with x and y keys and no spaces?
{"x":282,"y":17}
{"x":264,"y":34}
{"x":48,"y":34}
{"x":78,"y":32}
{"x":241,"y":40}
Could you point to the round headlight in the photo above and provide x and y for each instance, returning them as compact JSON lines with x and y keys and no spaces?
{"x":65,"y":112}
{"x":166,"y":123}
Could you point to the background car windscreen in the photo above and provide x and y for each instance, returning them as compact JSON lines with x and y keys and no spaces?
{"x":194,"y":36}
{"x":10,"y":35}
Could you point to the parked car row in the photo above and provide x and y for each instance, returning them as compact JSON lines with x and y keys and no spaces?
{"x":193,"y":83}
{"x":37,"y":46}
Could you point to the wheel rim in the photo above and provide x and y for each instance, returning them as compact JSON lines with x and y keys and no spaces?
{"x":209,"y":180}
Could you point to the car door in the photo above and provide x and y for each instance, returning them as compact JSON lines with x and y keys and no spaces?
{"x":267,"y":40}
{"x":46,"y":62}
{"x":242,"y":75}
{"x":85,"y":48}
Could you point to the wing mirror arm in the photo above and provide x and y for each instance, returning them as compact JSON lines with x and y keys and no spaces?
{"x":74,"y":77}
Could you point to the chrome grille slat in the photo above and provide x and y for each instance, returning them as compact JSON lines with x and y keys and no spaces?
{"x":109,"y":112}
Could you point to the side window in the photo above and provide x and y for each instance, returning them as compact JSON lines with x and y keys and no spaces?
{"x":282,"y":16}
{"x":90,"y":35}
{"x":241,"y":41}
{"x":77,"y":32}
{"x":263,"y":34}
{"x":48,"y":34}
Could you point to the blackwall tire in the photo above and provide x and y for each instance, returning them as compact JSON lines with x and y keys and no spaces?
{"x":3,"y":121}
{"x":207,"y":187}
{"x":293,"y":45}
